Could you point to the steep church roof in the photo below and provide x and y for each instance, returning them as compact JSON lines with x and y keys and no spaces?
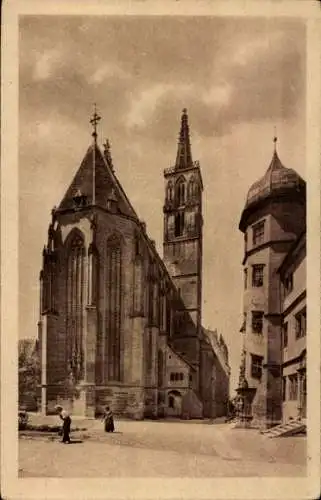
{"x":106,"y":184}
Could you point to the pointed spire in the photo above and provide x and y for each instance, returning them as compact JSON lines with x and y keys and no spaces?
{"x":184,"y":155}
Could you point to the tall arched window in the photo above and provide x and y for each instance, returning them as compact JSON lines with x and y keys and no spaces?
{"x":192,"y":189}
{"x":75,"y":303}
{"x":138,"y":287}
{"x":180,"y":191}
{"x":93,"y":275}
{"x":169,"y":193}
{"x":113,"y":309}
{"x":179,"y":223}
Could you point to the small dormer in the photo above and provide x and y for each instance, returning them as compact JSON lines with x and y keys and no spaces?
{"x":112,"y":201}
{"x":79,"y":199}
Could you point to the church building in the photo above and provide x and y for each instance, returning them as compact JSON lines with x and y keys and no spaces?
{"x":273,"y":221}
{"x":118,"y":325}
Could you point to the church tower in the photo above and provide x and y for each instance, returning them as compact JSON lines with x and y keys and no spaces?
{"x":183,"y":235}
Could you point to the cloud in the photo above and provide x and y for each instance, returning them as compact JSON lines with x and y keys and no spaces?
{"x":140,"y":72}
{"x":45,"y":64}
{"x":105,"y":71}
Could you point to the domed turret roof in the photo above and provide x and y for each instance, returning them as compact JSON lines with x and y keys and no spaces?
{"x":277,"y":177}
{"x":277,"y":181}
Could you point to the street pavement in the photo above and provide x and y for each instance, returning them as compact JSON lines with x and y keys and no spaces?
{"x":162,"y":449}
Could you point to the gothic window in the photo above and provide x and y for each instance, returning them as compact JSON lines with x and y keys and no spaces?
{"x":155,"y":317}
{"x":75,"y":303}
{"x":113,"y":309}
{"x":169,"y":193}
{"x":161,"y":310}
{"x":138,"y":287}
{"x":180,"y":191}
{"x":150,"y":302}
{"x":179,"y":223}
{"x":92,"y":276}
{"x":192,"y":189}
{"x":168,"y":316}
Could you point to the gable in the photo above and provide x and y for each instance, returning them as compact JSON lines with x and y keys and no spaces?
{"x":107,"y":185}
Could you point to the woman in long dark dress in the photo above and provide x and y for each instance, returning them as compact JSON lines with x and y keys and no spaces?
{"x":108,"y":420}
{"x":65,"y":417}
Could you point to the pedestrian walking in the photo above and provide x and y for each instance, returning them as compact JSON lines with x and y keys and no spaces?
{"x":108,"y":419}
{"x":65,"y":417}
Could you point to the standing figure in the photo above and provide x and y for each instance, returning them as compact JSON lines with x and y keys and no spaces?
{"x":63,"y":414}
{"x":109,"y":420}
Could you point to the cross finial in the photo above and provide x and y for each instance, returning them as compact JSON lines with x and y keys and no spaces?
{"x":275,"y":138}
{"x":94,"y":121}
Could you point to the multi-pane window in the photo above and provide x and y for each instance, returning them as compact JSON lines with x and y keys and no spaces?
{"x":300,"y":324}
{"x":285,"y":334}
{"x":257,"y":275}
{"x":258,"y":233}
{"x":293,"y":387}
{"x":257,"y":321}
{"x":256,"y":366}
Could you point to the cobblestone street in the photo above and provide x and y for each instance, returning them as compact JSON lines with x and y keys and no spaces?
{"x":162,"y":449}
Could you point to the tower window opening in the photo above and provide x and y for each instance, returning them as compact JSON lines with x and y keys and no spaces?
{"x":169,"y":191}
{"x":257,"y":275}
{"x":258,"y":233}
{"x":257,"y":321}
{"x":180,"y":192}
{"x":179,"y":224}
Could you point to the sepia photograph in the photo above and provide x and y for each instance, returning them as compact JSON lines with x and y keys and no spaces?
{"x":162,"y":212}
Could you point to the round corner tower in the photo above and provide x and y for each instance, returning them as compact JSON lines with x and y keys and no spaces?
{"x":271,"y":221}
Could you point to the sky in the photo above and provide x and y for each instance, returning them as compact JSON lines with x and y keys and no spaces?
{"x":240,"y":80}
